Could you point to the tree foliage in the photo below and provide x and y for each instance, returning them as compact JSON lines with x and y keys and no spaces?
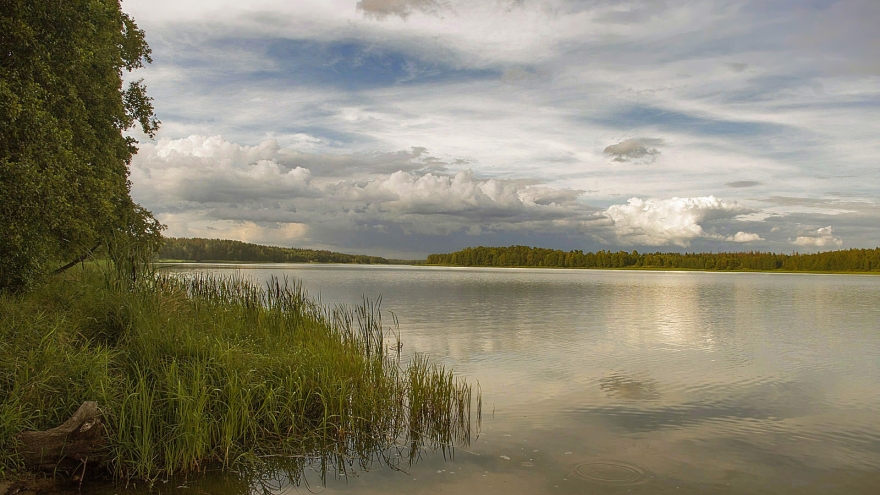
{"x":198,"y":249}
{"x":851,"y":260}
{"x":64,"y":185}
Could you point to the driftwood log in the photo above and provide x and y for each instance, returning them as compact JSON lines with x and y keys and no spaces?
{"x":80,"y":440}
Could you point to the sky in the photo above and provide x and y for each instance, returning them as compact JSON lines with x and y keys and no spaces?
{"x":406,"y":127}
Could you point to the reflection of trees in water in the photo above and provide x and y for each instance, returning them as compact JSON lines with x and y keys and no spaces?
{"x":271,"y":475}
{"x":339,"y":403}
{"x":634,"y":387}
{"x":434,"y":415}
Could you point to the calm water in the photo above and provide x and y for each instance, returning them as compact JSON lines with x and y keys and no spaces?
{"x":632,"y":382}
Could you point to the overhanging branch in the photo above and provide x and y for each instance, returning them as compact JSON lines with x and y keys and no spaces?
{"x":77,"y":260}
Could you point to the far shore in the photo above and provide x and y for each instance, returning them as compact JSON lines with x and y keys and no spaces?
{"x":421,"y":263}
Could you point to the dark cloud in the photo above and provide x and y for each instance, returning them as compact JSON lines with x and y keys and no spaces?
{"x":633,"y":116}
{"x":634,"y":149}
{"x":842,"y":36}
{"x":834,"y":204}
{"x":417,"y":159}
{"x":792,"y":201}
{"x":402,"y":8}
{"x":743,"y":183}
{"x":737,"y":66}
{"x":520,"y":75}
{"x":265,"y":193}
{"x":633,"y":12}
{"x":262,"y":188}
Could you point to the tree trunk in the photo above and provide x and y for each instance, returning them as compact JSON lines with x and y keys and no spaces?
{"x":81,"y":439}
{"x":79,"y":259}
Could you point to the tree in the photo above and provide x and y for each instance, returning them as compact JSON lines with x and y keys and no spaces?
{"x":64,"y":186}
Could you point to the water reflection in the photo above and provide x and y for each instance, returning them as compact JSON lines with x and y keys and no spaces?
{"x":622,"y":386}
{"x":693,"y":382}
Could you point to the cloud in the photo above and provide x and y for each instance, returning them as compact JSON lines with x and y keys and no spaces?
{"x":743,"y":183}
{"x":821,"y":203}
{"x":525,"y":93}
{"x":633,"y":12}
{"x":865,"y":206}
{"x":402,"y":8}
{"x":346,"y":165}
{"x":744,"y":237}
{"x":209,"y":186}
{"x":212,"y":170}
{"x":634,"y":149}
{"x":675,"y":221}
{"x":842,"y":35}
{"x":200,"y":182}
{"x":215,"y":166}
{"x":442,"y":204}
{"x":193,"y":224}
{"x":821,"y":238}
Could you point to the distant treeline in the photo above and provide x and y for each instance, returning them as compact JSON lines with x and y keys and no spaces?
{"x":197,"y":249}
{"x":851,"y":260}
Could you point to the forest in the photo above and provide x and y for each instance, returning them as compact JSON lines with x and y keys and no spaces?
{"x":850,"y":260}
{"x":198,"y":249}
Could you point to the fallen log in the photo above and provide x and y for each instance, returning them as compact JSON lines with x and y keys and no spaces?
{"x":80,"y":440}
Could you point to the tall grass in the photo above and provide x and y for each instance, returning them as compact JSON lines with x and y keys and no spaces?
{"x":200,"y":371}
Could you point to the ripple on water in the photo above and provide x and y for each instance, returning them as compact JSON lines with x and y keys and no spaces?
{"x":612,"y":473}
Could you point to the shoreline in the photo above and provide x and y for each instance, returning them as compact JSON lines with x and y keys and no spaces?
{"x":183,"y":372}
{"x":668,"y":269}
{"x":627,"y":268}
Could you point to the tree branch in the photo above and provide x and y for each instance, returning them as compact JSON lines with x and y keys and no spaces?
{"x":77,"y":260}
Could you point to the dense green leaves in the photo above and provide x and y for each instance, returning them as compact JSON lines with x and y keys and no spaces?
{"x":63,"y":157}
{"x":852,"y":260}
{"x":225,"y":250}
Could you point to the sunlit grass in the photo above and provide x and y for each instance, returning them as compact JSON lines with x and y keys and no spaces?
{"x":199,"y":371}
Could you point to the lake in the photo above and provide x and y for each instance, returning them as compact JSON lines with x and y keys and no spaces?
{"x":629,"y":381}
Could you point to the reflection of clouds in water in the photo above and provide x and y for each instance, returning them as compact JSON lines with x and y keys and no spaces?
{"x":681,"y":320}
{"x":671,"y":312}
{"x":775,"y":377}
{"x":622,"y":386}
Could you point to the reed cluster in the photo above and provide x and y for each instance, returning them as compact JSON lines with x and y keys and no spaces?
{"x":200,"y":371}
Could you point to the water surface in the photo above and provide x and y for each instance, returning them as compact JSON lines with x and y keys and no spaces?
{"x":629,"y":381}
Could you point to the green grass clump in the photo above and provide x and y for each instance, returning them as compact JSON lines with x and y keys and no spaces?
{"x":198,"y":371}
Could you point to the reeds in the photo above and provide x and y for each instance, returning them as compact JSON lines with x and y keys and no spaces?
{"x":199,"y":371}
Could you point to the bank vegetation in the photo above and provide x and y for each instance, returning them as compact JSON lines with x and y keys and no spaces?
{"x":200,"y":372}
{"x":225,"y":250}
{"x":850,"y":260}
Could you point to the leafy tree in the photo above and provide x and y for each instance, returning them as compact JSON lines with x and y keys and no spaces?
{"x":64,"y":186}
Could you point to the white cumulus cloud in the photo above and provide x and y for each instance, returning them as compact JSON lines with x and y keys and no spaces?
{"x":208,"y":186}
{"x":266,"y":192}
{"x":675,"y":221}
{"x":823,"y":237}
{"x":744,"y":237}
{"x":212,"y":170}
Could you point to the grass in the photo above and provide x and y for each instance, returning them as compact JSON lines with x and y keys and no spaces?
{"x":200,"y":371}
